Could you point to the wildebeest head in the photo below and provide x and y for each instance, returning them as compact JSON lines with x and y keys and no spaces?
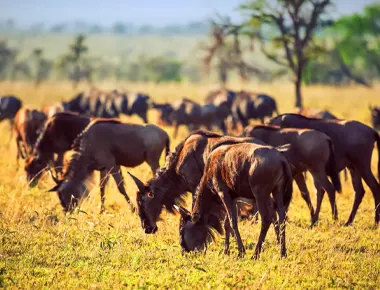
{"x":194,"y":232}
{"x":69,"y":192}
{"x":375,"y":116}
{"x":149,"y":204}
{"x":34,"y":167}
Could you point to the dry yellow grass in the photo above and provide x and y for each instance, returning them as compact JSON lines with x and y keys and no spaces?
{"x":42,"y":248}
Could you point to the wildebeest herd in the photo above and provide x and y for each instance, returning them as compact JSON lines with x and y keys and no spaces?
{"x":243,"y":168}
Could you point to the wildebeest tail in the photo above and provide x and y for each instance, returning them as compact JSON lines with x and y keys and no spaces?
{"x":332,"y":169}
{"x":167,"y":147}
{"x":377,"y":137}
{"x":288,"y":184}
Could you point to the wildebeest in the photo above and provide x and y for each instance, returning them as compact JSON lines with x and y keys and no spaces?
{"x":56,"y":137}
{"x":239,"y":170}
{"x":107,"y":144}
{"x":164,"y":111}
{"x":375,"y":117}
{"x":27,"y":123}
{"x":9,"y":106}
{"x":220,"y":96}
{"x":353,"y":143}
{"x":315,"y":113}
{"x":193,"y":115}
{"x":96,"y":103}
{"x":50,"y":110}
{"x":247,"y":105}
{"x":182,"y":172}
{"x":309,"y":150}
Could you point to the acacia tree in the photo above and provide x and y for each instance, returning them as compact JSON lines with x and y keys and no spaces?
{"x":226,"y":52}
{"x":285,"y":30}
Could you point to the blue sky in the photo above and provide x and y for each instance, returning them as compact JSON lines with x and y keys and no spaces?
{"x":154,"y":12}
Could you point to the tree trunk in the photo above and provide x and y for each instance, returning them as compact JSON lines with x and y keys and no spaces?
{"x":299,"y":103}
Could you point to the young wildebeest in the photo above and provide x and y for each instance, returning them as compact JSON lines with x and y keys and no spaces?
{"x":182,"y":172}
{"x":107,"y":145}
{"x":245,"y":170}
{"x":353,"y":144}
{"x":27,"y":123}
{"x":375,"y":117}
{"x":9,"y":106}
{"x":310,"y":150}
{"x":56,"y":137}
{"x":193,"y":115}
{"x":247,"y":105}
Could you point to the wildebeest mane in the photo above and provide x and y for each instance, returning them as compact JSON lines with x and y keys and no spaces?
{"x":267,"y":127}
{"x":233,"y":141}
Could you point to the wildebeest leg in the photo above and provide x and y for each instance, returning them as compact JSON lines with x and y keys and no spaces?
{"x":359,"y":193}
{"x":104,"y":176}
{"x":232,"y":216}
{"x":300,"y":180}
{"x":118,"y":177}
{"x":372,"y":183}
{"x":278,"y":197}
{"x":227,"y":230}
{"x":20,"y":152}
{"x":223,"y":127}
{"x":175,"y":133}
{"x":321,"y":183}
{"x":266,"y":220}
{"x":144,"y":117}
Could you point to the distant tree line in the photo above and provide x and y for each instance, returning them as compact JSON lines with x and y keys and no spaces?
{"x":119,"y":27}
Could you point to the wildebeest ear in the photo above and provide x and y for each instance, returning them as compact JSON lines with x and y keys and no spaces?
{"x":183,"y":212}
{"x":139,"y":183}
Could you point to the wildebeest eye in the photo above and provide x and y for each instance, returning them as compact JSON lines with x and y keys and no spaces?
{"x":150,"y":194}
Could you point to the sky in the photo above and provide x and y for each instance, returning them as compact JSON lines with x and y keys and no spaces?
{"x":152,"y":12}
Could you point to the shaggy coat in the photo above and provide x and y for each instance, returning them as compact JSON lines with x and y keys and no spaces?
{"x":27,"y":124}
{"x":353,"y":143}
{"x":244,"y":170}
{"x":56,"y":137}
{"x":108,"y":145}
{"x":309,"y":150}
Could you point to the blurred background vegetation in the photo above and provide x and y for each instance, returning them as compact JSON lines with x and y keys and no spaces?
{"x":345,"y":50}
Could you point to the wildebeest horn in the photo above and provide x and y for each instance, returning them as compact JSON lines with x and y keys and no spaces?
{"x":139,"y":183}
{"x":182,"y":211}
{"x":55,"y":178}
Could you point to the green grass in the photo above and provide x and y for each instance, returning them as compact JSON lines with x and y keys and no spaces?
{"x":41,"y":248}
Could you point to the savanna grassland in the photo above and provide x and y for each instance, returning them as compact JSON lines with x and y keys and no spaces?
{"x":41,"y":248}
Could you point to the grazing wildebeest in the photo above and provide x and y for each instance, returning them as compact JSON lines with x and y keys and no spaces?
{"x":245,"y":170}
{"x":309,"y":150}
{"x":56,"y":137}
{"x":315,"y":113}
{"x":193,"y":115}
{"x":181,"y":174}
{"x":220,"y":96}
{"x":27,"y":124}
{"x":164,"y":111}
{"x":129,"y":103}
{"x":375,"y":117}
{"x":353,"y":143}
{"x":9,"y":106}
{"x":247,"y":105}
{"x":50,"y":110}
{"x":107,"y":144}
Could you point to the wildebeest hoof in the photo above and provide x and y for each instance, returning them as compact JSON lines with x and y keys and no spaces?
{"x":226,"y":251}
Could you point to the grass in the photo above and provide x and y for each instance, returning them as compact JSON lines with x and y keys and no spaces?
{"x":42,"y":248}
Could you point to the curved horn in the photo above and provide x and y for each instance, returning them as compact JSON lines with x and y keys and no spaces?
{"x":139,"y":183}
{"x":55,"y":178}
{"x":182,"y":211}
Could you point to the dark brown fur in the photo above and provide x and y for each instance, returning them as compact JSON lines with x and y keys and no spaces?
{"x":353,"y":143}
{"x":105,"y":145}
{"x":244,"y":170}
{"x":310,"y":150}
{"x":27,"y":123}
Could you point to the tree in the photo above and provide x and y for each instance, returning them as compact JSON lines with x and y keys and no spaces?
{"x":226,"y":52}
{"x":42,"y":66}
{"x":75,"y":64}
{"x":285,"y":30}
